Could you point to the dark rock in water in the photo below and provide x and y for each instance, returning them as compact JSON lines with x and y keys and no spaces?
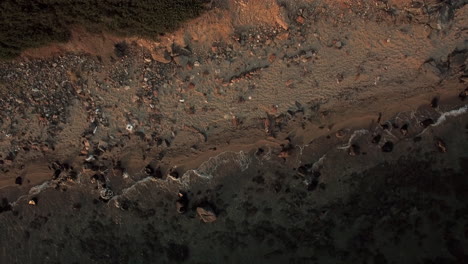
{"x":182,"y":203}
{"x":354,"y":150}
{"x":106,"y":194}
{"x":149,"y":170}
{"x":404,"y":129}
{"x":463,"y":94}
{"x":376,"y":139}
{"x":312,"y":185}
{"x":385,"y":126}
{"x":387,"y":147}
{"x":19,"y":180}
{"x":304,"y":169}
{"x":441,"y":145}
{"x":417,"y":139}
{"x":5,"y":205}
{"x":206,"y":213}
{"x":427,"y":122}
{"x":435,"y":102}
{"x":98,"y":178}
{"x":174,"y":173}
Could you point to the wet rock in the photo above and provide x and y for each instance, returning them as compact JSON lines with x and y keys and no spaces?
{"x":376,"y":139}
{"x":19,"y":180}
{"x":387,"y":147}
{"x":5,"y":205}
{"x":427,"y":122}
{"x":98,"y":178}
{"x":441,"y":145}
{"x":174,"y":173}
{"x":404,"y":129}
{"x":33,"y":201}
{"x":106,"y":194}
{"x":182,"y":203}
{"x":463,"y":94}
{"x":206,"y":213}
{"x":385,"y":126}
{"x":354,"y":150}
{"x":149,"y":170}
{"x":313,"y":185}
{"x":435,"y":102}
{"x":340,"y":134}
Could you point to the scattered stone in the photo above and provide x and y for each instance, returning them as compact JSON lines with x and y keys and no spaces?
{"x":338,"y":44}
{"x":300,"y":20}
{"x":441,"y":145}
{"x":206,"y":214}
{"x":387,"y":147}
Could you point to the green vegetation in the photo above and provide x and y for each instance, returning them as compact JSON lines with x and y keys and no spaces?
{"x":31,"y":23}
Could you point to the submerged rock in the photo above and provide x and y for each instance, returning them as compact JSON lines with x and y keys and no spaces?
{"x":387,"y":147}
{"x":206,"y":214}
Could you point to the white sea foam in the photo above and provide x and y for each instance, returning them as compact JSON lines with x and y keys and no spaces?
{"x":355,"y":134}
{"x":443,"y":117}
{"x":208,"y":169}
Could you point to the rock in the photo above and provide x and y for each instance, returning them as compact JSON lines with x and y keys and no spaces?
{"x":387,"y":147}
{"x":427,"y":122}
{"x":376,"y":139}
{"x":354,"y":150}
{"x":19,"y":180}
{"x":182,"y":203}
{"x":404,"y":129}
{"x":5,"y":205}
{"x":300,"y":20}
{"x":106,"y":194}
{"x":33,"y":201}
{"x":338,"y":44}
{"x":435,"y":102}
{"x":463,"y":94}
{"x":206,"y":214}
{"x":161,"y":55}
{"x":340,"y":134}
